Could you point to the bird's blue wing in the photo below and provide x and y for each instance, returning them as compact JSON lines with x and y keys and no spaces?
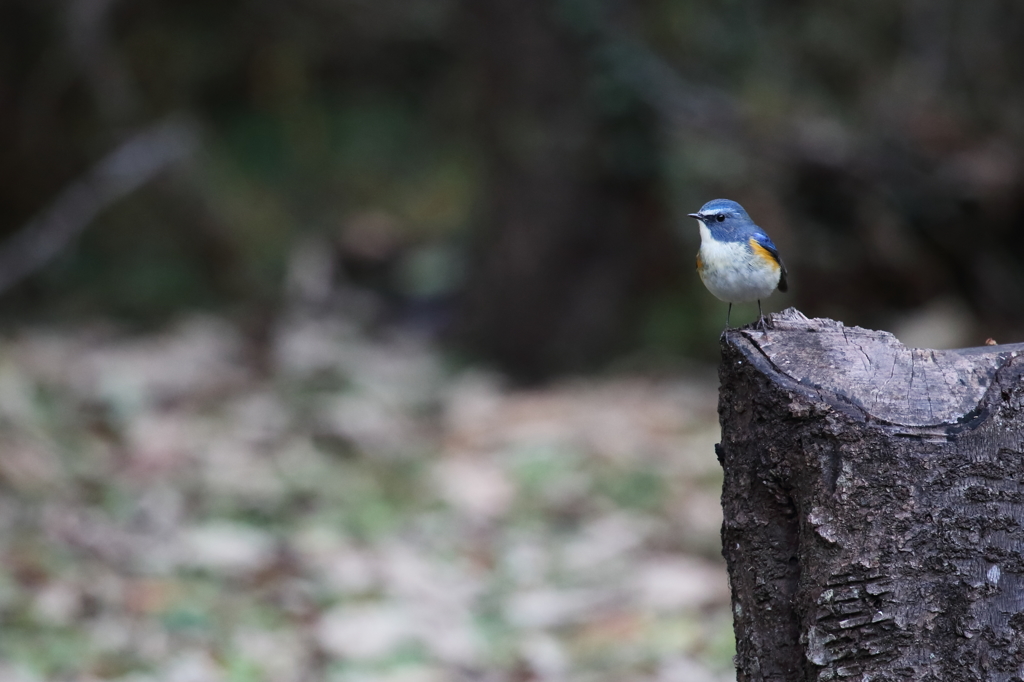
{"x":763,"y":240}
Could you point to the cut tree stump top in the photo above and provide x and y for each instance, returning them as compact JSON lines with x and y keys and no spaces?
{"x":878,"y":374}
{"x":873,"y":506}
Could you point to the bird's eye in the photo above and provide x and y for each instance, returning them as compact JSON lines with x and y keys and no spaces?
{"x":720,"y":217}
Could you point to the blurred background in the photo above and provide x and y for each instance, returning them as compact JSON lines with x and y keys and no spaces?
{"x":516,"y":176}
{"x":333,"y":331}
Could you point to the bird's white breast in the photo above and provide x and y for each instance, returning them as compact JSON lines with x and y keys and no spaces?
{"x":733,"y":272}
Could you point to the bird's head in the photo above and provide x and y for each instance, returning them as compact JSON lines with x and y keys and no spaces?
{"x":723,"y":218}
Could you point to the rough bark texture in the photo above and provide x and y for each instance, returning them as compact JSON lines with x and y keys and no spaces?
{"x":873,"y":498}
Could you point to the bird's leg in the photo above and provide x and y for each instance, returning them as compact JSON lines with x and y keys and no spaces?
{"x":760,"y":315}
{"x":727,"y":314}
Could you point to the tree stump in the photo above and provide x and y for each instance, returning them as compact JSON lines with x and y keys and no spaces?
{"x":874,"y":501}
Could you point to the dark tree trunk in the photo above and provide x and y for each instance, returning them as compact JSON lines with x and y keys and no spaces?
{"x":571,"y":230}
{"x":873,"y":498}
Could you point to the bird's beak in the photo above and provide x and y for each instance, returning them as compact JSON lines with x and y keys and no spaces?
{"x":695,"y":215}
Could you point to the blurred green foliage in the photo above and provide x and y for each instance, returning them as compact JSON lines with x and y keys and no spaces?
{"x":311,"y":113}
{"x":861,"y":136}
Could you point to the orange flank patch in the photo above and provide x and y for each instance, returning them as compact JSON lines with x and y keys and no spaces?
{"x":700,"y":263}
{"x":763,"y":253}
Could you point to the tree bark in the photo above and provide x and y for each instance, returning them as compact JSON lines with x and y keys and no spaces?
{"x":873,"y":499}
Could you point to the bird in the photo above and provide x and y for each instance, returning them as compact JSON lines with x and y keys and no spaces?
{"x":737,"y":260}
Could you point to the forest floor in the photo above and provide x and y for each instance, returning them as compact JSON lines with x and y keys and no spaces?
{"x":351,"y":509}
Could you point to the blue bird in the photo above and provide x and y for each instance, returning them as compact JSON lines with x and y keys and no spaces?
{"x":737,"y":260}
